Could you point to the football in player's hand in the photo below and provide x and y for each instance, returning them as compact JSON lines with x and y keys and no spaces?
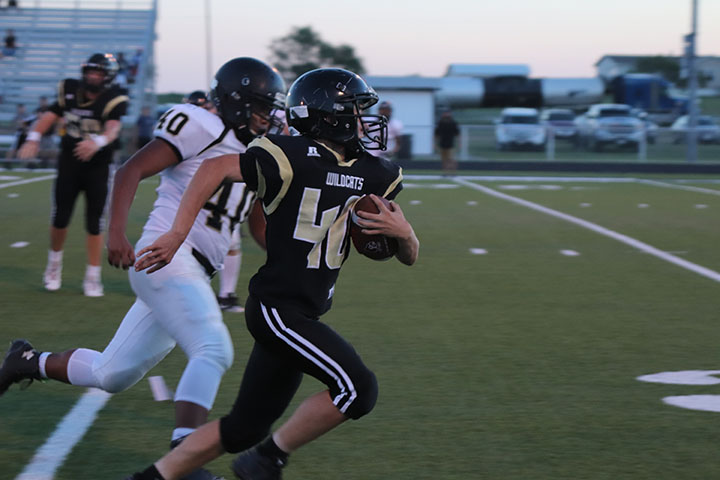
{"x":377,"y":247}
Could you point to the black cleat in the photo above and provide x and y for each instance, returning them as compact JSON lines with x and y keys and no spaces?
{"x":251,"y":465}
{"x":21,"y":363}
{"x":231,"y":303}
{"x":200,"y":473}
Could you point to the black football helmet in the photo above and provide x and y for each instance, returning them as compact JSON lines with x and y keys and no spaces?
{"x":103,"y":62}
{"x":197,"y":98}
{"x":244,"y":86}
{"x":327,"y":103}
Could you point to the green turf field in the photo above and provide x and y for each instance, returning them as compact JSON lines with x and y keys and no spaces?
{"x":516,"y":361}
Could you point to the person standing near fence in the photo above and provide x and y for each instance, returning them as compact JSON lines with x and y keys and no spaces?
{"x":446,"y":131}
{"x":92,"y":108}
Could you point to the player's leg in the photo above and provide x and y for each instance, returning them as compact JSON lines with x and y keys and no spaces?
{"x":95,"y":184}
{"x":137,"y":346}
{"x":319,"y":351}
{"x":65,"y":192}
{"x":184,"y":303}
{"x":227,"y":298}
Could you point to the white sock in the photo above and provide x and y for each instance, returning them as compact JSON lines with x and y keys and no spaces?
{"x":229,"y":274}
{"x":181,"y":432}
{"x":41,"y":363}
{"x":55,"y":257}
{"x":79,"y":369}
{"x":93,"y":271}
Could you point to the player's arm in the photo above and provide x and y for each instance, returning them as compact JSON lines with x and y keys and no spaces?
{"x":392,"y":223}
{"x":87,"y":148}
{"x":146,"y":162}
{"x":204,"y":183}
{"x":30,"y":147}
{"x":256,"y":224}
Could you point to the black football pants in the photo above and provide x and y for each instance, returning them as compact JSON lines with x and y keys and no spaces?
{"x":288,"y":344}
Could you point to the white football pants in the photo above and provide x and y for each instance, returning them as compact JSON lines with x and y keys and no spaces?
{"x":175,"y":305}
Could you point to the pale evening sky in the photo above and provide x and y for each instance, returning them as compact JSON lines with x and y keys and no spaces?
{"x":555,"y":38}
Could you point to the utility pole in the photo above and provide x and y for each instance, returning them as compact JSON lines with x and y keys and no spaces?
{"x":208,"y":44}
{"x":690,"y":47}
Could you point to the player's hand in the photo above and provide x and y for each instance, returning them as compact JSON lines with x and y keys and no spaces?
{"x":389,"y":222}
{"x":121,"y":253}
{"x":28,"y":150}
{"x":85,"y":150}
{"x":159,"y":253}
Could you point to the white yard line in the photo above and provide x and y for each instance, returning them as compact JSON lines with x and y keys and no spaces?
{"x":27,"y":180}
{"x":678,"y":187}
{"x":506,"y":178}
{"x":644,"y":247}
{"x":69,"y":431}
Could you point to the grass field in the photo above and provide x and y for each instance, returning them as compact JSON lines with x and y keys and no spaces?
{"x":509,"y":351}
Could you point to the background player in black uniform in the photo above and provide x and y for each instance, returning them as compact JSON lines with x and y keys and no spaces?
{"x":307,"y":185}
{"x":92,"y":108}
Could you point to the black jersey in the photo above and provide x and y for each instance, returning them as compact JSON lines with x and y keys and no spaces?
{"x":85,"y":117}
{"x":307,"y":192}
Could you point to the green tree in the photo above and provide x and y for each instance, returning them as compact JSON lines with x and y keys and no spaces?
{"x":668,"y":67}
{"x":303,"y":50}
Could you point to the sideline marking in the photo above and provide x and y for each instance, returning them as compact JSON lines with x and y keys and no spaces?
{"x":478,"y":251}
{"x":69,"y":431}
{"x":679,"y":187}
{"x":642,"y":246}
{"x":569,"y":253}
{"x":27,"y":180}
{"x":19,"y":244}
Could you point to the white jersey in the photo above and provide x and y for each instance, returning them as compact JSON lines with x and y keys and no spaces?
{"x":195,"y":134}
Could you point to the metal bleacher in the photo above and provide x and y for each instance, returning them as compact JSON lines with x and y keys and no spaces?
{"x":54,"y":37}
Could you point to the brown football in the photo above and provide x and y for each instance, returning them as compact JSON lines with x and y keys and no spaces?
{"x":377,"y":247}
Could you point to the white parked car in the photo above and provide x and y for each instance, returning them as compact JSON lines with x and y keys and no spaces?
{"x":520,"y":127}
{"x":707,"y":129}
{"x":609,"y":124}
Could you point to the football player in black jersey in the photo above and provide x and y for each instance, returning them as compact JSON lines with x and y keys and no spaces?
{"x":307,"y":185}
{"x":92,"y":108}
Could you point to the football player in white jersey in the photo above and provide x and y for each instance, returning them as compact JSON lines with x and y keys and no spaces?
{"x":227,"y":298}
{"x":176,"y":305}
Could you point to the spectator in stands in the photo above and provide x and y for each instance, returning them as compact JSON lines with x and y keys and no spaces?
{"x":134,"y":65}
{"x":21,"y":122}
{"x":122,"y":74}
{"x":145,"y":125}
{"x":445,"y":132}
{"x":10,"y":45}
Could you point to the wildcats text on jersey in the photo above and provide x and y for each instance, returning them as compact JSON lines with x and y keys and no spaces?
{"x":341,"y":180}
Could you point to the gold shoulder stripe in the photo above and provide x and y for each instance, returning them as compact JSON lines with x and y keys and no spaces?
{"x":61,"y":93}
{"x":394,"y":184}
{"x":114,"y":103}
{"x":338,"y":158}
{"x":283,"y":164}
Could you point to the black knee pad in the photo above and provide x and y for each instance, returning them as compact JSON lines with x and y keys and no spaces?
{"x":236,"y":436}
{"x":366,"y":387}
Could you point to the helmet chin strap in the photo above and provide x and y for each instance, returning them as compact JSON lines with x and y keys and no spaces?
{"x":244,"y":134}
